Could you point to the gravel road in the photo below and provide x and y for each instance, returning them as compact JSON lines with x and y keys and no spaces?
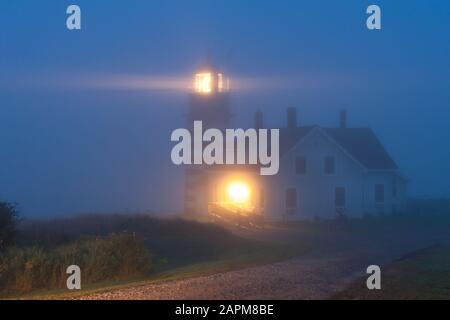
{"x":302,"y":278}
{"x":316,"y":275}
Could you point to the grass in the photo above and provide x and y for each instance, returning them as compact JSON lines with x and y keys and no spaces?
{"x":178,"y":249}
{"x":423,"y":275}
{"x":250,"y":254}
{"x":117,"y":256}
{"x":182,"y":249}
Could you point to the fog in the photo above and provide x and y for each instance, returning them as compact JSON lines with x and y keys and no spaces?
{"x":86,"y":116}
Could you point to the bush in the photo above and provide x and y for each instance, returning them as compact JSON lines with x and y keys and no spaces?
{"x":115,"y":257}
{"x":176,"y":241}
{"x":8,"y":224}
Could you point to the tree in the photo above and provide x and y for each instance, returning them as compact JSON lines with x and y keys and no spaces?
{"x":8,"y":223}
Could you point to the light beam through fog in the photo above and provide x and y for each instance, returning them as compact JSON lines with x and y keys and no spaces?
{"x":183,"y":83}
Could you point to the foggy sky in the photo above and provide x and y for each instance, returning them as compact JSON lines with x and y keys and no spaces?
{"x":67,"y":146}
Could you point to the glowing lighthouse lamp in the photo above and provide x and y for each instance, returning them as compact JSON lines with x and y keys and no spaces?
{"x":208,"y":82}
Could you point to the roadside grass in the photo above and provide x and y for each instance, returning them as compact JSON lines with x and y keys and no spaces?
{"x":248,"y":254}
{"x":117,"y":256}
{"x":373,"y":228}
{"x":423,"y":275}
{"x":177,"y":249}
{"x":181,"y":249}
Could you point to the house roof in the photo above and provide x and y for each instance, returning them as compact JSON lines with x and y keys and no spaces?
{"x":361,"y":143}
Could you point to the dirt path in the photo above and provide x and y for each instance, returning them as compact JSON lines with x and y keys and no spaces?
{"x":317,"y":275}
{"x":303,"y":278}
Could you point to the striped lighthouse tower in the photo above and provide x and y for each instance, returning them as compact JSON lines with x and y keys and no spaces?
{"x":209,"y":103}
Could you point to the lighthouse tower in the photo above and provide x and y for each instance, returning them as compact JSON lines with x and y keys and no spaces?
{"x":209,"y":99}
{"x":209,"y":103}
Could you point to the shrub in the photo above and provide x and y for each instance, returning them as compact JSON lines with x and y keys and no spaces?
{"x":114,"y":257}
{"x":175,"y":241}
{"x":8,"y":224}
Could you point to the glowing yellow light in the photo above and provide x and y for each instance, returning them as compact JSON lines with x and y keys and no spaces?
{"x":203,"y":82}
{"x":239,"y":192}
{"x":220,"y":82}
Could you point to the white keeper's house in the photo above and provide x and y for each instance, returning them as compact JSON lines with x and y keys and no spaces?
{"x":323,"y":173}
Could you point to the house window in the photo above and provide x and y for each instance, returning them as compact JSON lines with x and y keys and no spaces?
{"x":339,"y":197}
{"x":300,"y":165}
{"x":291,"y":198}
{"x":329,"y":165}
{"x":379,"y":193}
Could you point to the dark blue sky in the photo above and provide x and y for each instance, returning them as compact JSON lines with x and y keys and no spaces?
{"x":69,"y":147}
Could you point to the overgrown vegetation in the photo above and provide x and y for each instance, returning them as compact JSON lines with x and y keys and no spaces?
{"x":117,"y":256}
{"x":117,"y":247}
{"x":8,"y":223}
{"x":172,"y":242}
{"x":114,"y":249}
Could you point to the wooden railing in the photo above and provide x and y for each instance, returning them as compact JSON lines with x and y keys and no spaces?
{"x":231,"y":214}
